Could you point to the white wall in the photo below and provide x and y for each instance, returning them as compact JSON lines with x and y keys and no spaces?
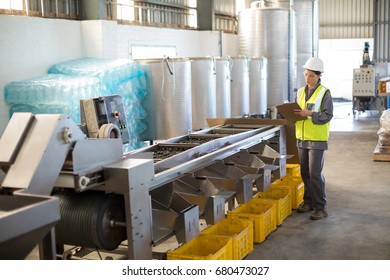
{"x":230,"y":45}
{"x":117,"y":39}
{"x":92,"y":38}
{"x":188,"y":43}
{"x":29,"y":46}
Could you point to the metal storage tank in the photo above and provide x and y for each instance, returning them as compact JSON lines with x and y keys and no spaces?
{"x":203,"y":75}
{"x":223,"y":69}
{"x":307,"y":18}
{"x":239,"y":90}
{"x":168,"y":101}
{"x":265,"y":31}
{"x":258,"y":86}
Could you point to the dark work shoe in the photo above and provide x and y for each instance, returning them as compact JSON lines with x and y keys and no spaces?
{"x":319,"y":214}
{"x":304,"y":208}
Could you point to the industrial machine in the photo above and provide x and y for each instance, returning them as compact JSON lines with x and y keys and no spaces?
{"x":73,"y":194}
{"x":104,"y":117}
{"x":364,"y":89}
{"x":365,"y":86}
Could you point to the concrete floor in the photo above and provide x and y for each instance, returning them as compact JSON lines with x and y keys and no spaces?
{"x":358,"y":191}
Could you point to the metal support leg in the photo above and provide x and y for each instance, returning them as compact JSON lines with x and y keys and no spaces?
{"x":131,"y":178}
{"x":47,"y":246}
{"x":139,"y":225}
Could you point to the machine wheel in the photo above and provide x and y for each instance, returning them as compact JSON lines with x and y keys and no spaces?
{"x":109,"y":130}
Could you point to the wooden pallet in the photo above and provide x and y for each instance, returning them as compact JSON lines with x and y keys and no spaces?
{"x":381,"y":153}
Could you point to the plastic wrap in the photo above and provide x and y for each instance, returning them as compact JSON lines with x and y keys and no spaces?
{"x":384,"y":130}
{"x":112,"y":72}
{"x":61,"y":90}
{"x":119,"y":76}
{"x":46,"y":109}
{"x":52,"y":93}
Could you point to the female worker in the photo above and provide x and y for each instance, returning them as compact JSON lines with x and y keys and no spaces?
{"x":312,"y":136}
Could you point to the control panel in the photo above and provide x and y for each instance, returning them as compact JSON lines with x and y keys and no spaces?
{"x":104,"y":117}
{"x":364,"y":82}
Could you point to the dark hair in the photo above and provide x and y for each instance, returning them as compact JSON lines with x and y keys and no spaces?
{"x":317,"y":72}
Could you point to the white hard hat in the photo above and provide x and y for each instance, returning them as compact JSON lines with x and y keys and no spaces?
{"x":314,"y":64}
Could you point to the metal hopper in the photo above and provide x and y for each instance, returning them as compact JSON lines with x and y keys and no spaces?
{"x":24,"y":221}
{"x":173,"y":215}
{"x":252,"y":164}
{"x":230,"y":178}
{"x":270,"y":156}
{"x":204,"y":193}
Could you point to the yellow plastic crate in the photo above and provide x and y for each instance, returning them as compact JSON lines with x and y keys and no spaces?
{"x":261,"y":213}
{"x":282,"y":200}
{"x":293,"y":170}
{"x":204,"y":247}
{"x":241,"y":232}
{"x":297,"y":189}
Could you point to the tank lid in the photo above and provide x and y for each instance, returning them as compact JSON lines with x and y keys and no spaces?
{"x":240,"y":57}
{"x":157,"y":60}
{"x":263,"y":4}
{"x":203,"y":58}
{"x":268,"y":6}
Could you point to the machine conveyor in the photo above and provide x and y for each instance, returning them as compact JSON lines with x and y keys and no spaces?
{"x":154,"y":182}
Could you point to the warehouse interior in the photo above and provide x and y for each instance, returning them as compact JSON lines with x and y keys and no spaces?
{"x":130,"y":182}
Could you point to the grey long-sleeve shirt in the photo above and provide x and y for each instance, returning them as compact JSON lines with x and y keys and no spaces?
{"x":322,"y":117}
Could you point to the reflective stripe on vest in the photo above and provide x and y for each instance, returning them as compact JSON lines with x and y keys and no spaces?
{"x":306,"y":129}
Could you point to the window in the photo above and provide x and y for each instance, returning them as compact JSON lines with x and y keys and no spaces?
{"x":125,"y":10}
{"x":11,"y":5}
{"x":68,"y":9}
{"x":167,"y":13}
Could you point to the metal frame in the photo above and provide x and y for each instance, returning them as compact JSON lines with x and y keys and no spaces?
{"x":133,"y":175}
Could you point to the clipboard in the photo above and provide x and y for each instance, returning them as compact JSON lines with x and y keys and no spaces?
{"x":287,"y":111}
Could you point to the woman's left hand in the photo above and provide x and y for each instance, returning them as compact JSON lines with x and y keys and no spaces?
{"x":303,"y":113}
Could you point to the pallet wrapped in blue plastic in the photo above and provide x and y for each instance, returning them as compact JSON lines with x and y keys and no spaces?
{"x":119,"y":76}
{"x":52,"y":94}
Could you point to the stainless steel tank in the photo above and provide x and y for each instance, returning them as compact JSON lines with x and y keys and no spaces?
{"x":203,"y":75}
{"x":239,"y":86}
{"x":223,"y":65}
{"x":258,"y":86}
{"x":265,"y":31}
{"x":307,"y":18}
{"x":168,"y":102}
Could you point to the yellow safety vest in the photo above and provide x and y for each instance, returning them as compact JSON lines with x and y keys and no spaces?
{"x":306,"y":129}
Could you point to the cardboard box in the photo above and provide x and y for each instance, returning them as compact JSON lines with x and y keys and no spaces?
{"x":384,"y":85}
